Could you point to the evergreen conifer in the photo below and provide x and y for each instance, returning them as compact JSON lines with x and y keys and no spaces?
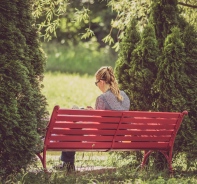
{"x":23,"y":107}
{"x":143,"y":70}
{"x":127,"y":46}
{"x":164,"y":16}
{"x":187,"y":137}
{"x":171,"y":75}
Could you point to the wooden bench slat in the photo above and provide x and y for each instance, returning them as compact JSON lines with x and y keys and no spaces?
{"x":142,"y":145}
{"x":107,"y":145}
{"x":119,"y":113}
{"x":113,"y":126}
{"x":111,"y":132}
{"x":147,"y":114}
{"x":78,"y":118}
{"x":110,"y":138}
{"x":88,"y":112}
{"x":99,"y":119}
{"x":150,"y":120}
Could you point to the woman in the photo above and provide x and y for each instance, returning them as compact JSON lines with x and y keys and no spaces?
{"x":111,"y":99}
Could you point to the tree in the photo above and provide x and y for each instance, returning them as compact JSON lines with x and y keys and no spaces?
{"x":171,"y":75}
{"x":125,"y":10}
{"x":188,"y":133}
{"x":164,"y":16}
{"x":176,"y":79}
{"x":73,"y":20}
{"x":143,"y":70}
{"x":23,"y":107}
{"x":128,"y":43}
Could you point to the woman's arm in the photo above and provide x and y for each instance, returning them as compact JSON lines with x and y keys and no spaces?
{"x":100,"y":104}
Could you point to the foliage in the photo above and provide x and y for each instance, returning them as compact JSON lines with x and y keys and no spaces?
{"x":52,"y":10}
{"x":188,"y":11}
{"x":103,"y":18}
{"x":136,"y":65}
{"x":23,"y":107}
{"x":128,"y":43}
{"x":143,"y":70}
{"x":178,"y":55}
{"x":189,"y":90}
{"x":164,"y":16}
{"x":78,"y":21}
{"x":170,"y":77}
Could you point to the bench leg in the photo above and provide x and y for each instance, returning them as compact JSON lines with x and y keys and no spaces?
{"x":167,"y":155}
{"x":145,"y":157}
{"x":42,"y":159}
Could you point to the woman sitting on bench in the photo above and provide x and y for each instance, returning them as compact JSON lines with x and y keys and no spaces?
{"x":111,"y":99}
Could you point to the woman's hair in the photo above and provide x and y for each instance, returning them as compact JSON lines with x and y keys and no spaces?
{"x":106,"y":73}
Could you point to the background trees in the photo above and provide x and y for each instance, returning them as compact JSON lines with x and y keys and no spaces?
{"x":93,"y":16}
{"x":74,"y":20}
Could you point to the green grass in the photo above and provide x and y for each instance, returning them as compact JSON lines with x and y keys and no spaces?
{"x":126,"y":174}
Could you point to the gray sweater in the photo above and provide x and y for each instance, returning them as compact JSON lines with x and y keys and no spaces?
{"x":108,"y":101}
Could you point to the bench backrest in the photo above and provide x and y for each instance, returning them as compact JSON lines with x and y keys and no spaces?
{"x":99,"y":130}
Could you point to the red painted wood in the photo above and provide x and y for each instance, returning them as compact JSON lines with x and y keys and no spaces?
{"x":106,"y":145}
{"x":77,"y":118}
{"x":67,"y":138}
{"x":112,"y":125}
{"x":111,"y":132}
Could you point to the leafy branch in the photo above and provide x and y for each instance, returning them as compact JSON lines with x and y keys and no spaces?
{"x":52,"y":10}
{"x":188,"y":5}
{"x":89,"y":33}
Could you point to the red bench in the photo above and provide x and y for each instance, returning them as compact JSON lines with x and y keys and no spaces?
{"x":99,"y":130}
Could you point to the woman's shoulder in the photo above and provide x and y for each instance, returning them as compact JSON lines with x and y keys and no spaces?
{"x":108,"y":93}
{"x":100,"y":97}
{"x":122,"y":92}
